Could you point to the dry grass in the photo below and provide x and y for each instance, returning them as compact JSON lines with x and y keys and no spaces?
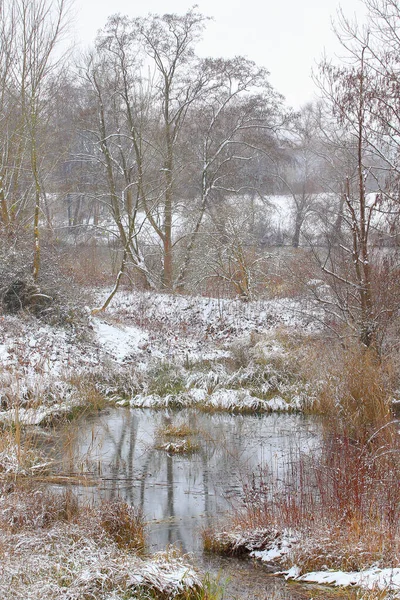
{"x":344,"y":502}
{"x":19,"y":454}
{"x":30,"y":507}
{"x":52,"y":548}
{"x":88,"y":265}
{"x":181,"y":430}
{"x":92,"y":399}
{"x":357,"y":394}
{"x":123,"y":523}
{"x":177,"y":438}
{"x":25,"y":509}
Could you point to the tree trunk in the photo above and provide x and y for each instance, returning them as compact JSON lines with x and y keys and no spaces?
{"x":297,"y":230}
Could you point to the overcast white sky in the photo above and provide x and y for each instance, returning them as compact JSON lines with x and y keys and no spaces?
{"x":288,"y":37}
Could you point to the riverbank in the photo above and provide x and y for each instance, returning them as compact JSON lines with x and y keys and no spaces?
{"x":154,"y":350}
{"x":53,"y":548}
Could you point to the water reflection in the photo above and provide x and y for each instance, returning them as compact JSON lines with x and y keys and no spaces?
{"x":180,"y":494}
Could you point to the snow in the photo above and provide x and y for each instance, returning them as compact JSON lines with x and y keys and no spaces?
{"x":278,"y":548}
{"x":39,"y":415}
{"x":221,"y":400}
{"x":242,"y":399}
{"x":282,"y":211}
{"x":374,"y":578}
{"x":119,"y":342}
{"x":180,"y":447}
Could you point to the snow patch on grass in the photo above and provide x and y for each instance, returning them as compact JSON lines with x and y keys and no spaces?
{"x":374,"y":578}
{"x":240,"y":401}
{"x":153,"y":350}
{"x":63,"y":562}
{"x":119,"y":342}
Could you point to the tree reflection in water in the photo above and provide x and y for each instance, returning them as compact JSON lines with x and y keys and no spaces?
{"x":180,"y":494}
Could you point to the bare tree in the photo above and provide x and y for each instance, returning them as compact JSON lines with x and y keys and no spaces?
{"x":30,"y":31}
{"x":180,"y":79}
{"x":299,"y":171}
{"x":239,"y":105}
{"x":168,"y":131}
{"x":350,"y":265}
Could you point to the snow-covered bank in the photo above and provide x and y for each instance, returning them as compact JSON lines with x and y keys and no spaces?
{"x":230,"y":400}
{"x":278,"y":549}
{"x":189,"y":326}
{"x":37,"y":364}
{"x":51,"y":550}
{"x":371,"y":579}
{"x":144,"y":335}
{"x":211,"y":353}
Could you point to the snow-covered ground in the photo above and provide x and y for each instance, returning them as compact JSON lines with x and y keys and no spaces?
{"x":143,"y":332}
{"x":371,"y":579}
{"x":278,"y":548}
{"x":77,"y":559}
{"x":196,"y":338}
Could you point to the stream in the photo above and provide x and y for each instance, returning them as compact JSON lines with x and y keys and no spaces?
{"x":181,"y":494}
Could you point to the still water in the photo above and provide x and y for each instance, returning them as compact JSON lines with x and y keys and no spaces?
{"x":180,"y":495}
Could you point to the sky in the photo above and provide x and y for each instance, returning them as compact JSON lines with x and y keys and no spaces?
{"x":288,"y":37}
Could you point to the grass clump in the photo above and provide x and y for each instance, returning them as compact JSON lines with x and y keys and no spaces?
{"x":219,"y":543}
{"x":16,"y":457}
{"x":179,"y":447}
{"x":165,"y":379}
{"x":92,"y":399}
{"x":356,"y":396}
{"x":123,"y":523}
{"x":25,"y":509}
{"x":179,"y":438}
{"x":181,"y":430}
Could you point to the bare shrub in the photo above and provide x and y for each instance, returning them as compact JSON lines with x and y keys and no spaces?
{"x":53,"y":297}
{"x":88,"y":264}
{"x":342,"y":499}
{"x":356,"y":394}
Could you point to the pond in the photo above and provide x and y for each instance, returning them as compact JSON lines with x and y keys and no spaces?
{"x":124,"y":452}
